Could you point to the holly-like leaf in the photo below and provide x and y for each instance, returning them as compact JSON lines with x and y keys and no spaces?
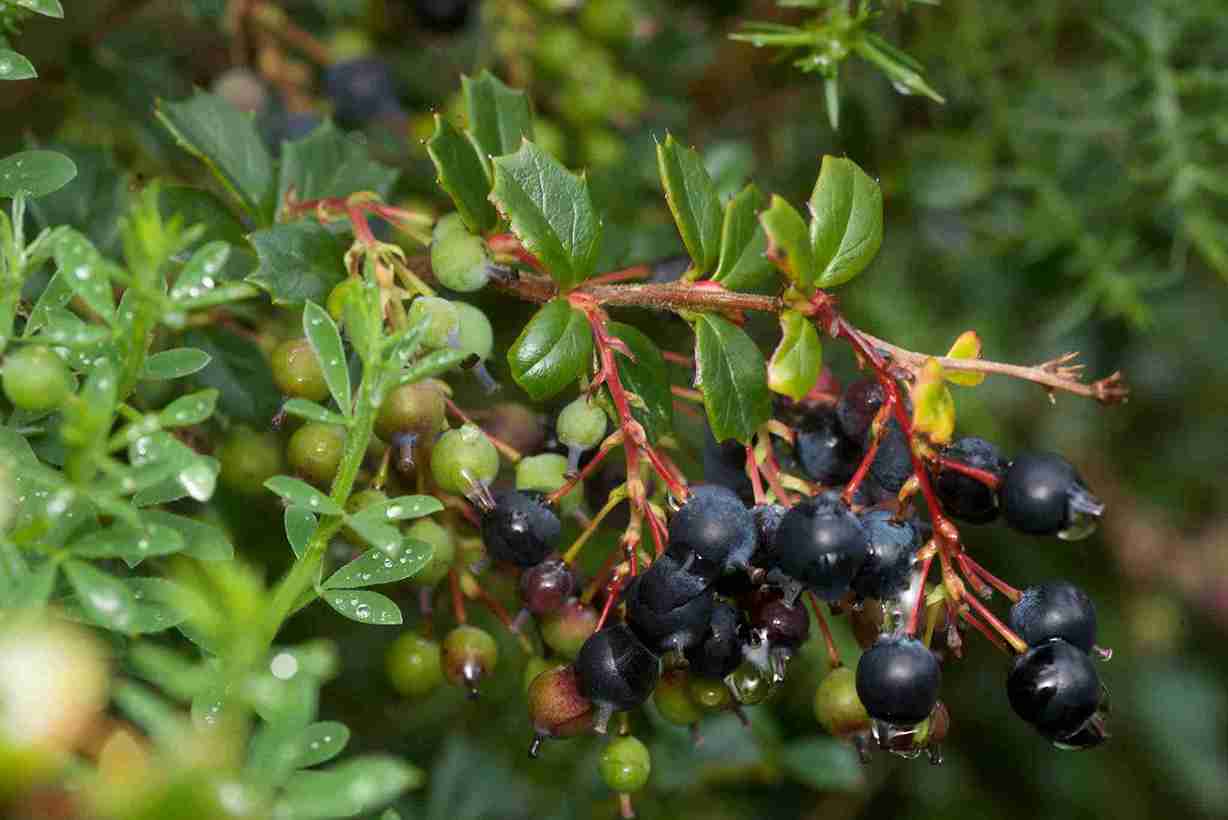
{"x":239,"y":372}
{"x":550,"y":211}
{"x":463,"y":175}
{"x":733,"y":378}
{"x":299,"y":261}
{"x":500,"y":117}
{"x":364,"y":606}
{"x":933,"y":406}
{"x":795,"y":365}
{"x":301,"y":494}
{"x":227,"y":141}
{"x":967,"y":346}
{"x":744,"y":264}
{"x":174,"y":364}
{"x":648,"y":378}
{"x":846,"y":225}
{"x":552,"y":351}
{"x":788,"y":241}
{"x":325,"y":339}
{"x":13,"y":66}
{"x":374,"y":567}
{"x":35,"y":173}
{"x":692,"y":200}
{"x":329,"y":163}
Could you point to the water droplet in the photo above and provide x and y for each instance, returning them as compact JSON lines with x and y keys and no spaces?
{"x":362,"y":611}
{"x":394,"y":511}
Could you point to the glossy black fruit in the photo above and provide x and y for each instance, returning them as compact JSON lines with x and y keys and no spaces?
{"x":677,"y":628}
{"x":821,"y":544}
{"x":892,"y":465}
{"x":720,"y":651}
{"x":361,"y":90}
{"x":724,"y":465}
{"x":1058,"y":609}
{"x":826,"y":454}
{"x":521,"y":529}
{"x":713,"y":530}
{"x":1055,"y":688}
{"x":898,"y":681}
{"x":767,"y":519}
{"x":669,"y":584}
{"x":962,"y":496}
{"x":889,"y":559}
{"x":614,"y":668}
{"x":858,"y":406}
{"x":1042,"y":494}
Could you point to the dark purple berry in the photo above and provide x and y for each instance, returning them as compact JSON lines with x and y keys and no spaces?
{"x":1042,"y":494}
{"x":720,"y":652}
{"x":724,"y":465}
{"x":821,"y":544}
{"x":784,"y":625}
{"x":898,"y":681}
{"x":826,"y":454}
{"x":961,"y":495}
{"x":858,"y":406}
{"x":1054,"y":687}
{"x":615,"y":669}
{"x":892,"y":465}
{"x":545,"y":587}
{"x":892,"y":544}
{"x":1058,"y":609}
{"x":361,"y":90}
{"x":712,"y":531}
{"x":520,"y":529}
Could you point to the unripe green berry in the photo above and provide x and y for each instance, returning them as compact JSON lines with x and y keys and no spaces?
{"x":458,"y":258}
{"x":672,"y":698}
{"x":751,"y":685}
{"x":438,"y":318}
{"x":469,"y":654}
{"x":475,"y":334}
{"x":836,"y":705}
{"x":315,"y":452}
{"x":710,"y":695}
{"x":248,"y":459}
{"x":462,"y":458}
{"x":340,"y":295}
{"x":36,"y":379}
{"x":297,"y":372}
{"x":581,"y":424}
{"x":444,"y":546}
{"x":416,"y":409}
{"x":414,"y":665}
{"x":545,"y":473}
{"x":566,"y":631}
{"x":625,"y":764}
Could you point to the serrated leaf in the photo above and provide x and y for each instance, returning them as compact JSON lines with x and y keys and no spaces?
{"x":552,"y":350}
{"x":193,"y":408}
{"x":240,"y":373}
{"x":304,"y":409}
{"x":227,"y":141}
{"x":463,"y":175}
{"x":320,"y":743}
{"x":300,"y":524}
{"x":202,"y":541}
{"x":301,"y":494}
{"x":744,"y":264}
{"x":174,"y":364}
{"x":967,"y":346}
{"x":131,"y":544}
{"x":357,"y":786}
{"x":499,"y":116}
{"x":35,"y":173}
{"x":933,"y":411}
{"x":299,"y":261}
{"x":104,"y":598}
{"x":374,"y":567}
{"x":692,"y":200}
{"x":846,"y":227}
{"x":824,"y":763}
{"x":364,"y":606}
{"x":325,"y":339}
{"x":788,"y":242}
{"x":795,"y":365}
{"x":550,"y":211}
{"x":733,"y":378}
{"x":13,"y":66}
{"x":329,"y":163}
{"x":648,"y":378}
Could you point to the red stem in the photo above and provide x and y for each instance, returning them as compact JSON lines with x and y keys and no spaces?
{"x":983,"y":476}
{"x":752,"y":471}
{"x":458,"y":600}
{"x":833,"y":654}
{"x":997,"y":583}
{"x":1016,"y":643}
{"x":914,"y":618}
{"x":863,"y":469}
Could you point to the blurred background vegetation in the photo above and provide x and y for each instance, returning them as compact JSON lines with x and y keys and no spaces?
{"x":1071,"y":193}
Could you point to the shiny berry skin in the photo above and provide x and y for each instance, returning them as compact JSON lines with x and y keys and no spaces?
{"x":474,"y":335}
{"x":297,"y":372}
{"x":546,"y":587}
{"x":581,"y":424}
{"x":444,"y":551}
{"x":677,"y":628}
{"x":566,"y":630}
{"x":750,"y":684}
{"x":458,"y":258}
{"x":858,"y":406}
{"x":36,"y":379}
{"x":411,"y":409}
{"x":1042,"y":494}
{"x":714,"y":527}
{"x":361,"y":90}
{"x":546,"y":473}
{"x":826,"y":454}
{"x":521,"y":529}
{"x":720,"y":651}
{"x":724,"y":465}
{"x":785,"y":625}
{"x":892,"y":544}
{"x":767,"y":520}
{"x":672,"y":697}
{"x":249,"y":459}
{"x":821,"y":544}
{"x":836,"y":705}
{"x":469,"y":654}
{"x":668,"y":584}
{"x":556,"y":706}
{"x":616,"y":669}
{"x":898,"y":681}
{"x":710,"y":694}
{"x":414,"y":665}
{"x":314,"y":452}
{"x":1054,"y":687}
{"x":438,"y":318}
{"x":625,"y":764}
{"x":962,"y":496}
{"x":1058,"y":609}
{"x":462,"y":458}
{"x":349,"y":288}
{"x":892,"y":465}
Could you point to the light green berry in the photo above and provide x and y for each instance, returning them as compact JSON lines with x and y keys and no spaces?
{"x":443,"y":545}
{"x":625,"y":764}
{"x":458,"y":258}
{"x":475,"y":334}
{"x":462,"y":458}
{"x":438,"y":318}
{"x":581,"y":424}
{"x":545,"y":473}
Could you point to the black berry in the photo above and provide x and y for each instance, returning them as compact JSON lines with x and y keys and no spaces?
{"x":676,"y":628}
{"x":1055,"y":688}
{"x":521,"y":529}
{"x":720,"y":651}
{"x":1042,"y":494}
{"x":724,"y":465}
{"x":714,"y":529}
{"x":821,"y":544}
{"x":889,"y":559}
{"x":615,"y":669}
{"x":826,"y":454}
{"x":892,"y":465}
{"x":961,"y":495}
{"x":858,"y":406}
{"x":1058,"y":609}
{"x":784,"y":625}
{"x":898,"y":681}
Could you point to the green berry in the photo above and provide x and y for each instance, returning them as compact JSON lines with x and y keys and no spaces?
{"x":415,"y":409}
{"x":248,"y":459}
{"x":566,"y":631}
{"x":36,"y":379}
{"x":458,"y":258}
{"x":672,"y":698}
{"x":438,"y":318}
{"x":710,"y":694}
{"x":836,"y":705}
{"x":625,"y":764}
{"x":469,"y":654}
{"x":462,"y":458}
{"x":475,"y":334}
{"x":441,"y":541}
{"x":297,"y":371}
{"x":750,"y":684}
{"x":315,"y":451}
{"x":545,"y":473}
{"x":339,"y":296}
{"x":581,"y":424}
{"x":536,"y":666}
{"x":414,"y":665}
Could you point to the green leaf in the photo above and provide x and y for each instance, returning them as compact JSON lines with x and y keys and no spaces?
{"x":35,"y":173}
{"x":104,"y":598}
{"x":692,"y":200}
{"x":788,"y":242}
{"x":967,"y":346}
{"x":201,"y":273}
{"x":227,"y":141}
{"x":320,"y":743}
{"x":300,"y":526}
{"x":648,"y":378}
{"x":463,"y":175}
{"x":301,"y":494}
{"x":325,"y":339}
{"x":33,"y":589}
{"x":364,"y":606}
{"x":193,"y":408}
{"x":744,"y":264}
{"x":433,"y":364}
{"x":550,"y":211}
{"x":732,"y":377}
{"x":401,"y":508}
{"x":304,"y":409}
{"x":794,"y":368}
{"x":174,"y":364}
{"x":552,"y":350}
{"x":901,"y":68}
{"x":197,"y":206}
{"x":933,"y":411}
{"x":202,"y":541}
{"x":374,"y":567}
{"x":131,"y":544}
{"x":47,"y":8}
{"x":299,"y":261}
{"x":329,"y":163}
{"x":846,"y":225}
{"x":499,"y":117}
{"x":13,"y":66}
{"x":357,"y":786}
{"x":84,"y":270}
{"x":156,"y":606}
{"x":239,"y":372}
{"x":824,"y":763}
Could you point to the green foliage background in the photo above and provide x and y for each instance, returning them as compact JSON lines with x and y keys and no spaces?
{"x":1071,"y":194}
